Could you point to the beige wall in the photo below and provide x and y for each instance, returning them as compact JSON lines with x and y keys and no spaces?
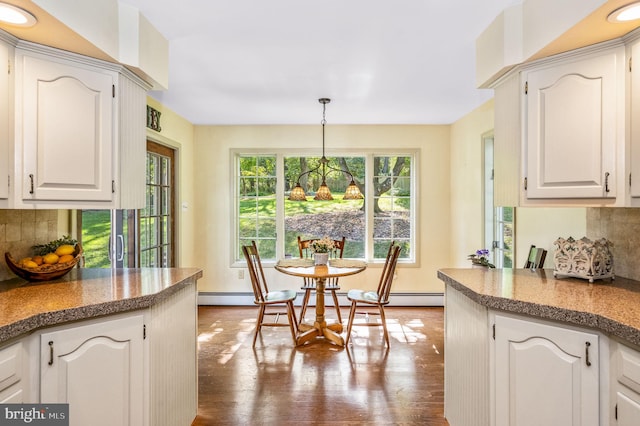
{"x":177,"y":133}
{"x":542,"y":226}
{"x":621,"y":226}
{"x":466,"y":186}
{"x":213,"y":208}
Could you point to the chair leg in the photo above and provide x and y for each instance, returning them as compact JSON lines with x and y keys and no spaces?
{"x":305,"y":302}
{"x":384,"y":325}
{"x":337,"y":305}
{"x":292,"y":321}
{"x":352,"y":314}
{"x":258,"y":324}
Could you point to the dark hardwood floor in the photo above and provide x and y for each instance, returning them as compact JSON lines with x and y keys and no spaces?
{"x":277,"y":383}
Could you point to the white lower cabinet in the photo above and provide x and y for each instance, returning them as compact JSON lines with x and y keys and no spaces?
{"x":12,"y":383}
{"x":626,"y":385}
{"x":545,"y":375}
{"x":97,"y":369}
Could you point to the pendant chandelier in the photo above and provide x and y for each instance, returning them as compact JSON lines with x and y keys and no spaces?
{"x":324,"y":193}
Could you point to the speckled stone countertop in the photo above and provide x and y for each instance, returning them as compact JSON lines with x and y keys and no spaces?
{"x":611,"y":306}
{"x":84,"y":294}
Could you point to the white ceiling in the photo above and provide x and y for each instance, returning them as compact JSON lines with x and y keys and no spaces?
{"x":268,"y":62}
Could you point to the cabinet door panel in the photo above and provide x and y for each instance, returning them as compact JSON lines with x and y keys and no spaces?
{"x":97,"y":369}
{"x":572,"y":128}
{"x":543,"y":375}
{"x":628,"y":410}
{"x":4,"y":124}
{"x":67,"y":132}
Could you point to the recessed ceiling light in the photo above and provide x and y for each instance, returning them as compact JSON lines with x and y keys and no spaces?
{"x":626,"y":13}
{"x":13,"y":15}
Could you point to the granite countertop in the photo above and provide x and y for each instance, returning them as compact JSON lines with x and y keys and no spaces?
{"x":611,"y":306}
{"x":84,"y":294}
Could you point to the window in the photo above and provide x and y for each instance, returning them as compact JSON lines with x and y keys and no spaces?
{"x":264,"y":214}
{"x":256,"y":195}
{"x":336,"y":218}
{"x":503,"y":245}
{"x":392,"y":204}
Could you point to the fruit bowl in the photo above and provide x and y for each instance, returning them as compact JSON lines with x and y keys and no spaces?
{"x":44,"y":272}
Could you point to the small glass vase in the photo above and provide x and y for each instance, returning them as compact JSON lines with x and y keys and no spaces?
{"x":320,"y":258}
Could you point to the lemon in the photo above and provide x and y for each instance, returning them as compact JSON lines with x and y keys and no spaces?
{"x":29,"y":264}
{"x":65,"y":249}
{"x":65,"y":258}
{"x":24,"y":260}
{"x":50,"y":258}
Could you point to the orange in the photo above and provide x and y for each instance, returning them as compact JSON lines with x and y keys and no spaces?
{"x":65,"y":258}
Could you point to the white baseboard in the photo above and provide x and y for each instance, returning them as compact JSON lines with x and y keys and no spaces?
{"x":246,"y":299}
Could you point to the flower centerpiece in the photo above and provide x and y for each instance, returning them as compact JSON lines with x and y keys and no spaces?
{"x":321,"y":249}
{"x":481,"y":257}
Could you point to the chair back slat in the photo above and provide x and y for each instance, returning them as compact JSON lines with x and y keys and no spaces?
{"x":258,"y":281}
{"x":388,"y":271}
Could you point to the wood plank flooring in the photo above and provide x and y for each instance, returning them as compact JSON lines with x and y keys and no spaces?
{"x":279,"y":384}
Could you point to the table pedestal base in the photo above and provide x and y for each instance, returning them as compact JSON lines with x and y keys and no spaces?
{"x":328,"y":331}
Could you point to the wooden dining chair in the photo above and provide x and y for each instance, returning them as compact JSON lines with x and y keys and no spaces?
{"x":378,"y":298}
{"x":309,"y":284}
{"x":266,"y":299}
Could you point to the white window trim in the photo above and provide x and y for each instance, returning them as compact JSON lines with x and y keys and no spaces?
{"x":280,"y":196}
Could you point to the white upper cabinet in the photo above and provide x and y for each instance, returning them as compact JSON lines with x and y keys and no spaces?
{"x":80,"y":133}
{"x":574,"y":110}
{"x":5,"y":69}
{"x":634,"y":120}
{"x":66,"y":130}
{"x":560,"y":131}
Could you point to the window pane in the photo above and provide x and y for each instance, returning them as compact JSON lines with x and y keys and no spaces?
{"x":256,"y":191}
{"x":336,"y":218}
{"x":392,"y":205}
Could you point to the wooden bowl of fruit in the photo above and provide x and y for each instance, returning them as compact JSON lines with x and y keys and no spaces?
{"x":48,"y":266}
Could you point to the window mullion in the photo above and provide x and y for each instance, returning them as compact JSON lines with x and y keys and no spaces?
{"x":280,"y":238}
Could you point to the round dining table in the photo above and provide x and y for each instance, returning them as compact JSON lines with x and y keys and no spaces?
{"x":320,"y":273}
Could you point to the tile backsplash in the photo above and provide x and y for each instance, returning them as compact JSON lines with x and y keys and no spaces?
{"x":22,"y":229}
{"x":621,"y":226}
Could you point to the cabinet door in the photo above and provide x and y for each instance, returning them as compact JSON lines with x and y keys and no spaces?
{"x":4,"y":121}
{"x":572,"y":113}
{"x":627,"y":408}
{"x":634,"y":121}
{"x":545,"y":375}
{"x":97,"y":369}
{"x":67,"y":131}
